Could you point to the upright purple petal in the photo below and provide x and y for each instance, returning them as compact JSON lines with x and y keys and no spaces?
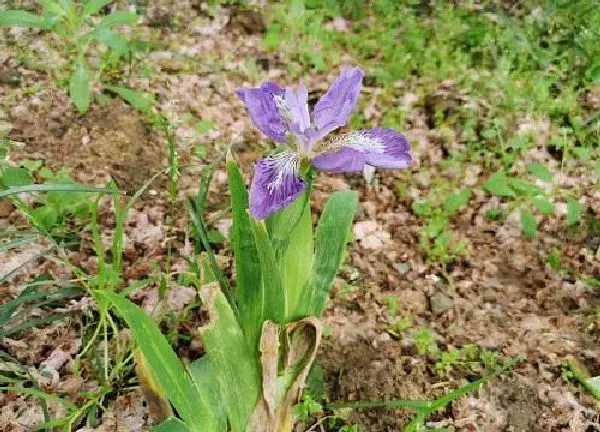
{"x":378,"y":147}
{"x":298,"y":105}
{"x":334,"y":107}
{"x":264,"y":111}
{"x":276,"y":184}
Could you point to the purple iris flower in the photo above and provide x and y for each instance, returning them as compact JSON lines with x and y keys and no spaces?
{"x":283,"y":115}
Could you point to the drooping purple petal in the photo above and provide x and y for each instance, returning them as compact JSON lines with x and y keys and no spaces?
{"x":378,"y":147}
{"x":334,"y":107}
{"x":395,"y":150}
{"x":276,"y":184}
{"x":264,"y":111}
{"x":343,"y":160}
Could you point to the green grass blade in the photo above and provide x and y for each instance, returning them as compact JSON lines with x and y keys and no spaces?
{"x":116,"y":249}
{"x":51,"y":7}
{"x":36,"y":322}
{"x":275,"y":299}
{"x":98,"y":247}
{"x":234,"y":364}
{"x":29,"y":309}
{"x":394,"y":403}
{"x":4,"y":277}
{"x":249,"y":287}
{"x":48,"y":187}
{"x":203,"y":234}
{"x":40,"y":394}
{"x":138,"y":193}
{"x":50,"y":425}
{"x":18,"y":242}
{"x":193,"y":406}
{"x":592,"y":385}
{"x":441,"y":402}
{"x":206,"y":177}
{"x":135,"y":287}
{"x":331,"y":236}
{"x":422,"y":407}
{"x":7,"y":309}
{"x":581,"y":376}
{"x":13,"y":233}
{"x":574,"y":211}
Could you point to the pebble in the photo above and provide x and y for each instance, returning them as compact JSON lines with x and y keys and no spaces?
{"x":440,"y":303}
{"x":402,"y":268}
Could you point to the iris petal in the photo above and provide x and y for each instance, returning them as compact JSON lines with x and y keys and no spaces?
{"x":264,"y":111}
{"x":276,"y":184}
{"x":298,"y":105}
{"x":334,"y":107}
{"x":378,"y":147}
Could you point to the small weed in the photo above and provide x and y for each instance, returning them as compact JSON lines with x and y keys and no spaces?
{"x":51,"y":213}
{"x":554,"y":260}
{"x":425,"y":341}
{"x":314,"y":404}
{"x":530,"y":198}
{"x":401,"y":324}
{"x":437,"y":240}
{"x":391,"y":303}
{"x":307,"y":408}
{"x":78,"y":29}
{"x":467,"y":359}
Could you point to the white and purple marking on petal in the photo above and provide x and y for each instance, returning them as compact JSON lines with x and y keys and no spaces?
{"x":276,"y":184}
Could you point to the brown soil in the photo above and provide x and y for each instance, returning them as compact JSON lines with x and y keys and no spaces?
{"x":366,"y":370}
{"x":503,"y":297}
{"x":112,"y":140}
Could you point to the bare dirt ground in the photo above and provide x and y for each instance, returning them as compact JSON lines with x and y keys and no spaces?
{"x":503,"y":296}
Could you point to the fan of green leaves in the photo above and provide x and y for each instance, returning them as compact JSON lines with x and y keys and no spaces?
{"x":282,"y":276}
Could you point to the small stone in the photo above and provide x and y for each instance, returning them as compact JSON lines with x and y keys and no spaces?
{"x":370,"y":234}
{"x":433,"y":277}
{"x":440,"y":303}
{"x":381,"y":339}
{"x":402,"y":268}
